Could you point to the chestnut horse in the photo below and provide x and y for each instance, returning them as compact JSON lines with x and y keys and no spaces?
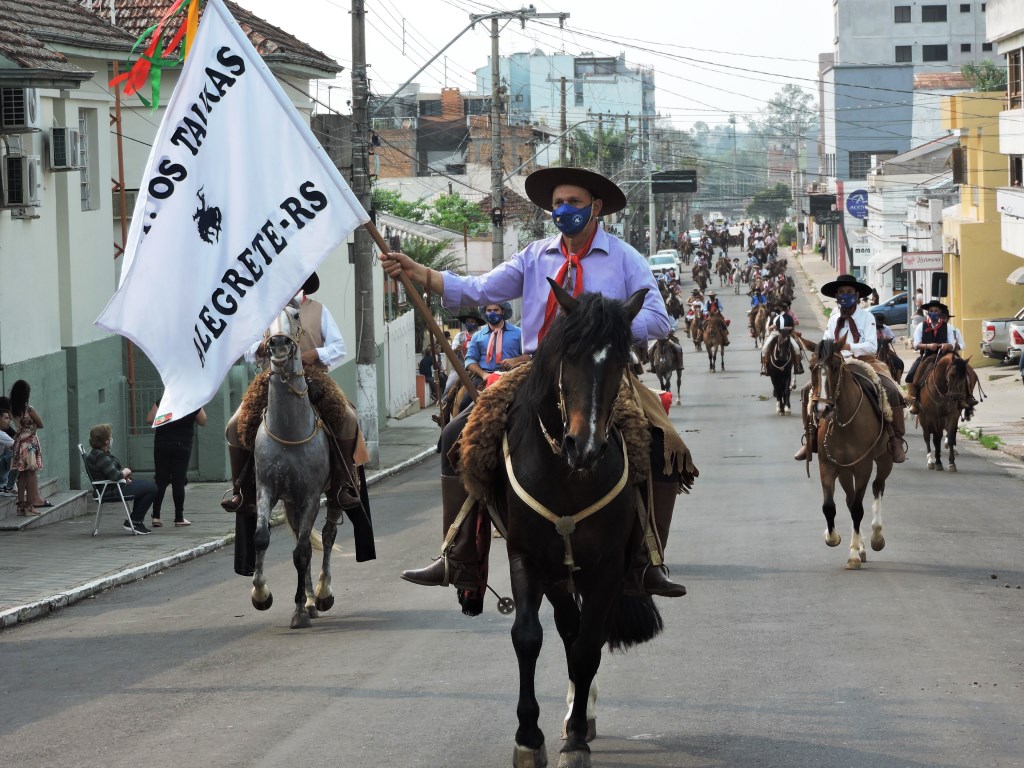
{"x":943,"y":395}
{"x":852,"y":440}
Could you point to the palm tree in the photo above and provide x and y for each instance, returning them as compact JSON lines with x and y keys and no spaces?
{"x":434,"y":255}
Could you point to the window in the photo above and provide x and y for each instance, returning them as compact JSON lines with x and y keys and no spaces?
{"x":902,"y":14}
{"x":933,"y":13}
{"x":934,"y":53}
{"x":965,"y":7}
{"x":965,"y":47}
{"x":904,"y":54}
{"x":88,"y":151}
{"x":986,"y":47}
{"x":1014,"y":94}
{"x":1016,"y":170}
{"x":861,"y":162}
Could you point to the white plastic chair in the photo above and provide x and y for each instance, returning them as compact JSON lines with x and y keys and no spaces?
{"x":99,"y":488}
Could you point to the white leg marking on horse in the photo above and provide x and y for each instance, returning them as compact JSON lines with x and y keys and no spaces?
{"x":856,"y":546}
{"x":323,"y":585}
{"x":833,"y":539}
{"x":877,"y":538}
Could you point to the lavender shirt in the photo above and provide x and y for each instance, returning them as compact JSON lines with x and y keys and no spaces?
{"x":612,"y":268}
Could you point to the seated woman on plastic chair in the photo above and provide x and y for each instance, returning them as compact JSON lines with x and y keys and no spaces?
{"x":102,"y":464}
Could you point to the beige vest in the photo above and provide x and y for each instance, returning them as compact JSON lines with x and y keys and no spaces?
{"x":311,"y":314}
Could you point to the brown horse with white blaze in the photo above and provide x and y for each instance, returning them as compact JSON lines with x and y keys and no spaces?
{"x":943,"y":395}
{"x":846,"y":408}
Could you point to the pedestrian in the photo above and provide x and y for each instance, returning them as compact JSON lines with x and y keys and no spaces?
{"x":103,"y":465}
{"x":919,"y":302}
{"x":583,"y":256}
{"x":28,"y":460}
{"x":20,"y":407}
{"x":6,"y":450}
{"x":172,"y":452}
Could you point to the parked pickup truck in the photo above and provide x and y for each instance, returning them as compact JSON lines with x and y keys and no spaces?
{"x":998,"y":342}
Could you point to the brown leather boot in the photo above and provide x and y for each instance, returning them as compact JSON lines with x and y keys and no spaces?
{"x":899,"y":455}
{"x":912,"y":397}
{"x":345,"y":479}
{"x":645,"y":578}
{"x":238,"y":458}
{"x":457,"y":565}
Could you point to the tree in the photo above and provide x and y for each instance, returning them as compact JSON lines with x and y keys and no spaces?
{"x":789,"y":114}
{"x":435,"y":255}
{"x":984,"y":76}
{"x":391,"y":202}
{"x":583,"y":149}
{"x":771,"y":203}
{"x":456,"y":212}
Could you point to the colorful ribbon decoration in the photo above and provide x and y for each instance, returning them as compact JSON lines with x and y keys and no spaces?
{"x":155,"y":57}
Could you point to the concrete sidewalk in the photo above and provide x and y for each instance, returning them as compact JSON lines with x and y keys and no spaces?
{"x":46,"y":568}
{"x":1000,"y":413}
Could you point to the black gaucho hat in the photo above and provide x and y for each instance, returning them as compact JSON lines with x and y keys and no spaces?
{"x":829,"y":289}
{"x":541,"y":184}
{"x":471,"y":313}
{"x":312,"y":284}
{"x":936,"y":305}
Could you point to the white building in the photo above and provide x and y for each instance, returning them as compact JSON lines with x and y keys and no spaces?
{"x":1006,"y":30}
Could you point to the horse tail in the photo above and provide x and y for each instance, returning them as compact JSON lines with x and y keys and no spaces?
{"x":632,"y":621}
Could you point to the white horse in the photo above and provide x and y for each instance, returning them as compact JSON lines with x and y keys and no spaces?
{"x":293,"y":466}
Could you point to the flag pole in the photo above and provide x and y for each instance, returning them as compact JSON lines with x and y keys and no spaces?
{"x":424,"y":310}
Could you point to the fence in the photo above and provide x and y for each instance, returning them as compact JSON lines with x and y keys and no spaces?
{"x":400,"y":348}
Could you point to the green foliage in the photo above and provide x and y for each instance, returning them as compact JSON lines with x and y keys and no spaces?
{"x":789,"y":114}
{"x":583,"y":148}
{"x":990,"y":441}
{"x":456,"y":212}
{"x":787,"y":234}
{"x":771,"y":203}
{"x":984,"y":76}
{"x":432,"y":254}
{"x":391,"y":202}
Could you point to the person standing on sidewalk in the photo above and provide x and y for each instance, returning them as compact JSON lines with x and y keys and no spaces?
{"x":584,"y":256}
{"x":172,"y":452}
{"x":6,"y":451}
{"x":101,"y":463}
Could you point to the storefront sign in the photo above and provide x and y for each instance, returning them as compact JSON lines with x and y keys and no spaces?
{"x":921,"y":261}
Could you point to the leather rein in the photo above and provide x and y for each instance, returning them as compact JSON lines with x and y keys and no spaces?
{"x":286,"y":375}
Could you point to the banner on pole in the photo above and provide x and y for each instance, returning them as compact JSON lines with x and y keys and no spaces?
{"x":237,"y":206}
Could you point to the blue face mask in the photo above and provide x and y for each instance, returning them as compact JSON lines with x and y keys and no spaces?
{"x":933,"y":316}
{"x":846,"y":300}
{"x":494,"y":318}
{"x":571,"y":221}
{"x":471,"y":326}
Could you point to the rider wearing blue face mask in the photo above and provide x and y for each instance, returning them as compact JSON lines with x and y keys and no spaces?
{"x":855,"y":327}
{"x":932,"y":338}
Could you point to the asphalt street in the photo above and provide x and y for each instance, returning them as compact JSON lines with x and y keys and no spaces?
{"x":777,"y":657}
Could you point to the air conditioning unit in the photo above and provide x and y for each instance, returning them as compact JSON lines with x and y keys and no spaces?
{"x":21,"y":176}
{"x":20,"y":111}
{"x":64,"y":149}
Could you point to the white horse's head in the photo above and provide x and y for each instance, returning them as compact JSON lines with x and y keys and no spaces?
{"x":283,"y":339}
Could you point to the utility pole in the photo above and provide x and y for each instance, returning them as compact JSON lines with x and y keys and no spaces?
{"x":497,"y":163}
{"x":497,"y":168}
{"x":562,"y":127}
{"x":366,"y":359}
{"x":600,"y":143}
{"x":654,"y":239}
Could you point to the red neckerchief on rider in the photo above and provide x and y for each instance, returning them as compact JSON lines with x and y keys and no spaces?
{"x":852,"y":326}
{"x":494,"y":346}
{"x":571,"y":260}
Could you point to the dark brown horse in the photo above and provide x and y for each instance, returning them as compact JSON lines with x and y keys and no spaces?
{"x":570,"y":512}
{"x":666,"y":357}
{"x":852,"y":439}
{"x":722,"y":268}
{"x":888,"y":356}
{"x":943,"y":394}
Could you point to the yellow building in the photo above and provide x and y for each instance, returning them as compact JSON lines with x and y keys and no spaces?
{"x":974,"y":258}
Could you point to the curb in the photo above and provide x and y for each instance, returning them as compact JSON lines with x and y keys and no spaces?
{"x":30,"y":611}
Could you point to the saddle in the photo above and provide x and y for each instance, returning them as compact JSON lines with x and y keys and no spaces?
{"x":871,"y":383}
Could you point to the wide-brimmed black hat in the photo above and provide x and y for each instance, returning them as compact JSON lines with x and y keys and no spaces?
{"x":829,"y":289}
{"x":471,"y":313}
{"x":936,"y":304}
{"x":312,"y":284}
{"x":541,"y":184}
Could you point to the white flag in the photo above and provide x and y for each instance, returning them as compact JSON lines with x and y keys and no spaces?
{"x":238,"y":205}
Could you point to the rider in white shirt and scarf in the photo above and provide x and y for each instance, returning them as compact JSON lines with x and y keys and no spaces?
{"x":856,"y":327}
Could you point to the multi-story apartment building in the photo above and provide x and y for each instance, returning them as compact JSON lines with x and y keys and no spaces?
{"x":594,"y":85}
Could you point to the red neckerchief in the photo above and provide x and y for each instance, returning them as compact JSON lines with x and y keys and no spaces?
{"x":852,"y":326}
{"x":495,"y":345}
{"x":571,"y":260}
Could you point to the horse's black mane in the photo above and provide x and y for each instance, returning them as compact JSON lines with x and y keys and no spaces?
{"x":595,"y":323}
{"x":826,"y":348}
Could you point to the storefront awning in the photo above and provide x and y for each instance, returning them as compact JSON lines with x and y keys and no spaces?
{"x":1016,"y":277}
{"x":886,"y":259}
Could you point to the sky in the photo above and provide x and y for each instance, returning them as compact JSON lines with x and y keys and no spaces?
{"x":711,"y":58}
